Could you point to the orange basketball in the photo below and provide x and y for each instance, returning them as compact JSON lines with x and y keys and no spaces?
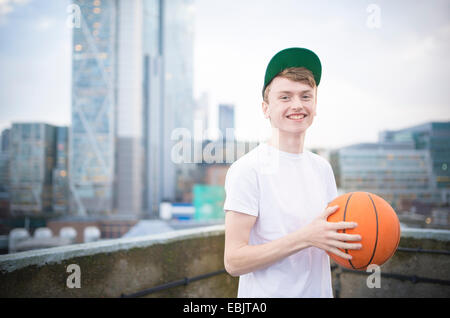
{"x":378,"y":226}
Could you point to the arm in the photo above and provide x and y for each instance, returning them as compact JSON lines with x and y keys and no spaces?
{"x":241,"y":258}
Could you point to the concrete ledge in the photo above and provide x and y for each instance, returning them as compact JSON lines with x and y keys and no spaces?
{"x":429,"y":234}
{"x":410,"y":264}
{"x":122,"y":266}
{"x":111,"y":268}
{"x":15,"y":261}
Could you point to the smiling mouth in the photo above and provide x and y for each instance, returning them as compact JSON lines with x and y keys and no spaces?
{"x":296,"y":116}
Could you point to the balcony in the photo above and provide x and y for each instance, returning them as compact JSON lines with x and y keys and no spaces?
{"x":189,"y":263}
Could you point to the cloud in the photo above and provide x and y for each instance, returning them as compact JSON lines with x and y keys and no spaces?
{"x":432,"y":45}
{"x":8,"y":6}
{"x":45,"y":23}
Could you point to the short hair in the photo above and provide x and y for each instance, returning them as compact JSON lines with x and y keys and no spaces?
{"x":296,"y":74}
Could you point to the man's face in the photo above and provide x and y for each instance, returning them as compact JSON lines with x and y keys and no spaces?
{"x":291,"y":105}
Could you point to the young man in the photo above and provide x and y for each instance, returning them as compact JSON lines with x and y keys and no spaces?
{"x":276,"y":229}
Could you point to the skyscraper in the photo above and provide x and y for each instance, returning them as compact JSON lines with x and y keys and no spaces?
{"x":60,"y":196}
{"x":433,"y":137}
{"x":4,"y":173}
{"x":129,"y":164}
{"x":406,"y":165}
{"x":4,"y":161}
{"x":201,"y":116}
{"x":226,"y":121}
{"x":153,"y":105}
{"x":395,"y":171}
{"x":178,"y":37}
{"x":32,"y":156}
{"x":94,"y":111}
{"x":132,"y":85}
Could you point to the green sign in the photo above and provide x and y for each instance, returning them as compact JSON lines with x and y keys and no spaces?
{"x":208,"y":202}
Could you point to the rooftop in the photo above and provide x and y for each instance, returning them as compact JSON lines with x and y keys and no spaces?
{"x":189,"y":263}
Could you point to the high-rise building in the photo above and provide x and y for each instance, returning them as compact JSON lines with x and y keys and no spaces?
{"x":129,"y":158}
{"x":226,"y":121}
{"x":32,"y":157}
{"x":397,"y":172}
{"x":4,"y":161}
{"x":5,"y":140}
{"x":4,"y":173}
{"x":153,"y":105}
{"x":177,"y":39}
{"x":435,"y":138}
{"x":60,"y":182}
{"x":201,"y":117}
{"x":407,"y":165}
{"x":132,"y":86}
{"x":92,"y":134}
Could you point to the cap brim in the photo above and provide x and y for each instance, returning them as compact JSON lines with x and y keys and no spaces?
{"x":293,"y":57}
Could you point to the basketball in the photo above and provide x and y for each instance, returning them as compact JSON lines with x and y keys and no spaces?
{"x":378,"y":226}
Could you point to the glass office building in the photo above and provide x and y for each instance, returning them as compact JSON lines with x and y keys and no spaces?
{"x":4,"y":161}
{"x":435,"y":138}
{"x":60,"y":172}
{"x":178,"y":37}
{"x":129,"y":132}
{"x":397,"y":173}
{"x":4,"y":173}
{"x":132,"y":85}
{"x":32,"y":156}
{"x":404,"y":166}
{"x":153,"y":92}
{"x":226,"y":121}
{"x":92,"y":135}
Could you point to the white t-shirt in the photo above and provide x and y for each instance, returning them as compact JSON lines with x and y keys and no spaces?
{"x":285,"y":192}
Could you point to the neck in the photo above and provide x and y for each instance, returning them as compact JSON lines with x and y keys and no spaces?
{"x":287,"y":142}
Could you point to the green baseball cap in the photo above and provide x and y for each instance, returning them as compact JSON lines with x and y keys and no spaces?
{"x":293,"y":57}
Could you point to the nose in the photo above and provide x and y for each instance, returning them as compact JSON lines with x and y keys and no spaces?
{"x":296,"y":104}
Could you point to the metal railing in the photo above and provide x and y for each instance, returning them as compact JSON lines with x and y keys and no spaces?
{"x":421,"y":250}
{"x":184,"y":281}
{"x":412,"y":278}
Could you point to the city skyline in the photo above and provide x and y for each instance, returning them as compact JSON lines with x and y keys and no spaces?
{"x":380,"y":90}
{"x":123,"y":124}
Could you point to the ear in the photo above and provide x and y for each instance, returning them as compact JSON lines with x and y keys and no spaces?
{"x":315,"y":104}
{"x":265,"y":109}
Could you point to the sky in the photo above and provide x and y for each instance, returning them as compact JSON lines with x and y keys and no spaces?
{"x":385,"y":63}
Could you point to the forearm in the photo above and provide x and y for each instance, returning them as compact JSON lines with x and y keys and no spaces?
{"x":248,"y":258}
{"x":242,"y":258}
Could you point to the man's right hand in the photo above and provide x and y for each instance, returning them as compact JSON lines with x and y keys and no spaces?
{"x":323,"y":234}
{"x":241,"y":258}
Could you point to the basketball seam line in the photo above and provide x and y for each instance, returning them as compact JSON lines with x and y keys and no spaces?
{"x":376,"y":233}
{"x":345,"y":212}
{"x":398,"y":241}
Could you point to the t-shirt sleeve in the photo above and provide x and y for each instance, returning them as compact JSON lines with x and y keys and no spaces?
{"x":241,"y":189}
{"x":331,"y":184}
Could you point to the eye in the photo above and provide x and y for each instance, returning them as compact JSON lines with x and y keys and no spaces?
{"x":307,"y":97}
{"x":284,"y":97}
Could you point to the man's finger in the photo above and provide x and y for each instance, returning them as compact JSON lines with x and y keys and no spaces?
{"x":339,"y":253}
{"x":330,"y":210}
{"x":347,"y":246}
{"x":342,"y":225}
{"x":346,"y":237}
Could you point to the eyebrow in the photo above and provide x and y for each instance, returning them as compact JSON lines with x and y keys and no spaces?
{"x":290,"y":92}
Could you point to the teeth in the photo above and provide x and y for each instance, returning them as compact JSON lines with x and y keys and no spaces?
{"x":296,"y":116}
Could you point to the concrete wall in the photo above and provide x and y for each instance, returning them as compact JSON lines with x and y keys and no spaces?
{"x":126,"y":266}
{"x":122,"y":266}
{"x":404,"y":265}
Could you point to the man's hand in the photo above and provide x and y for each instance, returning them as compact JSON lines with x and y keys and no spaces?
{"x":323,"y":234}
{"x":241,"y":258}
